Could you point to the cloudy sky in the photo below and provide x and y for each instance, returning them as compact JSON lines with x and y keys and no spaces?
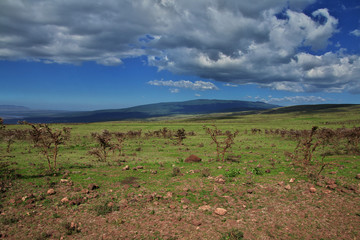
{"x":94,"y":54}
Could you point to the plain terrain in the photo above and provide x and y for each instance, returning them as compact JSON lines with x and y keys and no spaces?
{"x":149,"y":191}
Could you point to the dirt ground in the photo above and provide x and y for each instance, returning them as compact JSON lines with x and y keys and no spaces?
{"x":128,"y":210}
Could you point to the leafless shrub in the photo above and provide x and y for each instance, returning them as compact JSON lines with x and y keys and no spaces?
{"x":179,"y":136}
{"x":222,"y":144}
{"x":48,"y":141}
{"x":104,"y":145}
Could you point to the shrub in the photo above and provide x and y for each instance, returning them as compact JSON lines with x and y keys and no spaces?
{"x":233,"y":234}
{"x":221,"y":145}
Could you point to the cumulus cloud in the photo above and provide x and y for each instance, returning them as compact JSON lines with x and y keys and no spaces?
{"x":296,"y":100}
{"x":197,"y":85}
{"x":356,"y":32}
{"x":228,"y":41}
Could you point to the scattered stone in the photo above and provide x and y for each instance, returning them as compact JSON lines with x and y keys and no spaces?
{"x":51,"y":191}
{"x":64,"y":180}
{"x":139,"y":167}
{"x":65,"y":200}
{"x":153,"y":171}
{"x":220,"y":211}
{"x":292,"y":180}
{"x":193,"y":158}
{"x":358,"y":176}
{"x":172,"y":206}
{"x":85,"y":191}
{"x":134,"y":168}
{"x":220,"y":179}
{"x":205,"y":208}
{"x":281,"y":183}
{"x":288,"y":187}
{"x":126,"y":168}
{"x":196,"y":222}
{"x":333,"y":173}
{"x":312,"y":190}
{"x":169,"y":195}
{"x":250,"y":191}
{"x":185,"y":201}
{"x":267,"y":171}
{"x":123,"y":203}
{"x":332,"y":186}
{"x":93,"y":186}
{"x":110,"y":204}
{"x":185,"y":206}
{"x":219,"y":167}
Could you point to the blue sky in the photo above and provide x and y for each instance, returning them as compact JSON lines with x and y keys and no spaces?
{"x":87,"y":55}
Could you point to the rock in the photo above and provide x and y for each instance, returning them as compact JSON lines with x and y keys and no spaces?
{"x":358,"y":176}
{"x":267,"y":170}
{"x":64,"y":180}
{"x":51,"y":191}
{"x":292,"y":180}
{"x":139,"y":167}
{"x":312,"y":189}
{"x":93,"y":186}
{"x":169,"y":195}
{"x":185,"y":201}
{"x":153,"y":171}
{"x":65,"y":200}
{"x":220,"y":211}
{"x":205,"y":208}
{"x":196,"y":222}
{"x":185,"y":206}
{"x":288,"y":187}
{"x":110,"y":204}
{"x":172,"y":206}
{"x":220,"y":179}
{"x":332,"y":186}
{"x":85,"y":191}
{"x":193,"y":158}
{"x":126,"y":168}
{"x":250,"y":191}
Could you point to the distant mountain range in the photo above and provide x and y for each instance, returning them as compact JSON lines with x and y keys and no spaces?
{"x":13,"y":114}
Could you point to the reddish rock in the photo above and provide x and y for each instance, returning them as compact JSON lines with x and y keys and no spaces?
{"x":288,"y":187}
{"x":65,"y":200}
{"x":220,"y":211}
{"x":126,"y":168}
{"x":358,"y":176}
{"x":51,"y":191}
{"x":193,"y":158}
{"x":196,"y":222}
{"x":205,"y":208}
{"x":292,"y":180}
{"x":250,"y":191}
{"x":312,"y":189}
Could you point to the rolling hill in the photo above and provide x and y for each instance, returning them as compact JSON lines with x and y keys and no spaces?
{"x":202,"y":106}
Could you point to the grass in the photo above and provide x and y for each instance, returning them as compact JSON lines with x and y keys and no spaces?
{"x":255,"y":174}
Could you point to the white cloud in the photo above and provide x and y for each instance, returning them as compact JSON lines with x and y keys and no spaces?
{"x":296,"y":100}
{"x":356,"y":32}
{"x":197,"y":85}
{"x":228,"y":41}
{"x":230,"y":85}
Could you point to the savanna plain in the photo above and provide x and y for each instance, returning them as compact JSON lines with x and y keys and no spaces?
{"x":291,"y":175}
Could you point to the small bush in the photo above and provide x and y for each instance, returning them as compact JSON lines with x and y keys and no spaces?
{"x":105,"y":208}
{"x":233,"y":234}
{"x":205,"y":172}
{"x":233,"y":172}
{"x":176,"y":172}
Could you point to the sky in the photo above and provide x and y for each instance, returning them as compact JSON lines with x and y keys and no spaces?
{"x":102,"y":54}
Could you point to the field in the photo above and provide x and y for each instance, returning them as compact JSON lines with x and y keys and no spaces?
{"x":275,"y":181}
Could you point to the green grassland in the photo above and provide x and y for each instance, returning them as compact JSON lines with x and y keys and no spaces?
{"x":161,"y":199}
